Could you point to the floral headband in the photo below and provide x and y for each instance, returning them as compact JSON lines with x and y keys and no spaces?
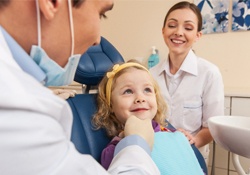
{"x":111,"y":75}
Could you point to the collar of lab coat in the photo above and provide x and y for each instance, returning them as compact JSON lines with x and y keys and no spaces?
{"x":189,"y":64}
{"x":22,"y":58}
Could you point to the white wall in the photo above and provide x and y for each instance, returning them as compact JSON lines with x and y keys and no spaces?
{"x":133,"y":26}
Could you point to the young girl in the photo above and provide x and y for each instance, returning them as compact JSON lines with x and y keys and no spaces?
{"x":129,"y":89}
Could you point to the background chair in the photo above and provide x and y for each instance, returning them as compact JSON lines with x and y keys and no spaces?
{"x":92,"y":67}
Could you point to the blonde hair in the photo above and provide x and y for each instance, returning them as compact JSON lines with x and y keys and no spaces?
{"x":105,"y":118}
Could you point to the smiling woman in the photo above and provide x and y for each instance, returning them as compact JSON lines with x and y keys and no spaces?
{"x":191,"y":86}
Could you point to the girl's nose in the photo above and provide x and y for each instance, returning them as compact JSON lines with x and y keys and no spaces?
{"x":139,"y":100}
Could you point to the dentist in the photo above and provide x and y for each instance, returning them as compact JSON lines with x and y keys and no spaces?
{"x":40,"y":43}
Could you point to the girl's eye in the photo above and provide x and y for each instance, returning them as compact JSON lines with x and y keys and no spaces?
{"x":128,"y":91}
{"x":148,"y":90}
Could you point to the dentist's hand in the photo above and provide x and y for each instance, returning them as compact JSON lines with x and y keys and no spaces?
{"x":140,"y":127}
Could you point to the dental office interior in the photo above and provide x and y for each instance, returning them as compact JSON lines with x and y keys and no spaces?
{"x":134,"y":26}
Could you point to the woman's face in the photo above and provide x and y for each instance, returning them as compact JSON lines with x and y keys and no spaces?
{"x":134,"y":94}
{"x":181,"y":31}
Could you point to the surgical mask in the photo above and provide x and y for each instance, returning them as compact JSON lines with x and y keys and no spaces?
{"x":55,"y":74}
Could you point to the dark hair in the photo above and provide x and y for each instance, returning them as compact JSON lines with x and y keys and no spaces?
{"x":76,"y":3}
{"x":186,"y":5}
{"x":4,"y":3}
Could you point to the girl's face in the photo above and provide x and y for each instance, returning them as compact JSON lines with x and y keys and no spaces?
{"x":181,"y":31}
{"x":134,"y":94}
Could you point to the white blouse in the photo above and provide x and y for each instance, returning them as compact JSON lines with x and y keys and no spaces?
{"x":194,"y":94}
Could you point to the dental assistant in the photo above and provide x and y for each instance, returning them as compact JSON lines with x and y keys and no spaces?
{"x":192,"y":87}
{"x":40,"y":43}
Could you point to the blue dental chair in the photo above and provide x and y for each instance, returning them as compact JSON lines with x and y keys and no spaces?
{"x":92,"y":67}
{"x":95,"y":62}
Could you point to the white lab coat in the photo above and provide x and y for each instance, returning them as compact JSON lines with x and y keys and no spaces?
{"x":35,"y":129}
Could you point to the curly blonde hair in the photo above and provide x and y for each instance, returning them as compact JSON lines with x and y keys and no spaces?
{"x":105,"y":118}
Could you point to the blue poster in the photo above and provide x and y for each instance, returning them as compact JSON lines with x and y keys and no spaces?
{"x":214,"y":15}
{"x":241,"y":15}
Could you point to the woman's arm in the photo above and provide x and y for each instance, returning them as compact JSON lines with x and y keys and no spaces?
{"x":203,"y":137}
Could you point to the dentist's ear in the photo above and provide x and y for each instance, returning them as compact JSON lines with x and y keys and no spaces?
{"x":49,"y":7}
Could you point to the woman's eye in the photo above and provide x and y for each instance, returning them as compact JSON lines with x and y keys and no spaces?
{"x":128,"y":91}
{"x":171,"y":26}
{"x":189,"y":28}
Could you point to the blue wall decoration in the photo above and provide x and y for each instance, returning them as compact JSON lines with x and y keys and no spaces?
{"x":241,"y":15}
{"x":214,"y":15}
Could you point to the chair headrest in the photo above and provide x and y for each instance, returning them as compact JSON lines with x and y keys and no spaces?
{"x":96,"y":61}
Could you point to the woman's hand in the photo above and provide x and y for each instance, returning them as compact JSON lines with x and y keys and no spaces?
{"x":190,"y":138}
